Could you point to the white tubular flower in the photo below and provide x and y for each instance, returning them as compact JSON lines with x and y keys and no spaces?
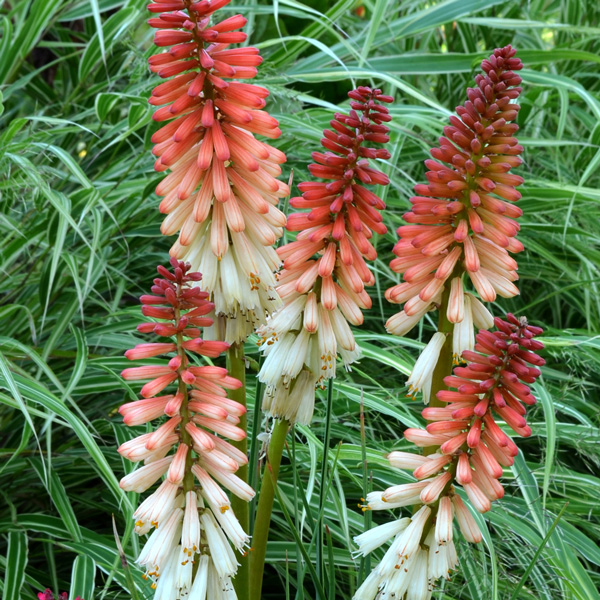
{"x":144,"y":477}
{"x":162,"y":544}
{"x":276,"y":355}
{"x":397,"y":583}
{"x":296,"y":357}
{"x":406,"y":545}
{"x":408,"y":569}
{"x":190,"y":534}
{"x":409,"y":540}
{"x":342,"y":331}
{"x":442,"y":556}
{"x":219,"y":588}
{"x":222,"y":555}
{"x":482,"y":317}
{"x":217,"y":499}
{"x":153,"y":509}
{"x":369,"y":588}
{"x":295,"y":402}
{"x":233,"y":530}
{"x":200,"y":585}
{"x":376,"y":537}
{"x":166,"y":584}
{"x":443,"y":523}
{"x":463,"y":335}
{"x":289,"y":317}
{"x":229,"y":481}
{"x":185,"y":572}
{"x":401,"y":323}
{"x":418,"y":587}
{"x":420,"y":378}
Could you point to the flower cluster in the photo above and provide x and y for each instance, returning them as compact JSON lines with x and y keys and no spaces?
{"x":324,"y":273}
{"x":471,"y":450}
{"x":221,"y":193}
{"x":463,"y":220}
{"x":47,"y":594}
{"x":189,"y":551}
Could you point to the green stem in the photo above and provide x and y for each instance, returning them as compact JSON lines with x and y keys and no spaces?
{"x":533,"y":562}
{"x":324,"y":465}
{"x":254,"y":463}
{"x":236,"y":365}
{"x":365,"y":561}
{"x":265,"y":507}
{"x":444,"y":364}
{"x":188,"y":479}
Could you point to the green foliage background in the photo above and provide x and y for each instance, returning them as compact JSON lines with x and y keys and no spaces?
{"x":80,"y":240}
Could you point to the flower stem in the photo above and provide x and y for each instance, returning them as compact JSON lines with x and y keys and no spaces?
{"x":320,"y":524}
{"x":444,"y":364}
{"x":255,"y":446}
{"x":236,"y":366}
{"x":265,"y":507}
{"x":186,"y":438}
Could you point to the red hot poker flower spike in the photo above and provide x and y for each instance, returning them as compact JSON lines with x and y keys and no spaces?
{"x":190,"y":445}
{"x":221,"y":193}
{"x":325,"y":272}
{"x":495,"y":383}
{"x":463,"y":220}
{"x":472,"y":450}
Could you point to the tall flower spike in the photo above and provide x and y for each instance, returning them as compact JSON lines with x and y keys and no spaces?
{"x":324,"y":273}
{"x":189,"y":512}
{"x":471,"y":451}
{"x":221,"y":193}
{"x":462,"y":222}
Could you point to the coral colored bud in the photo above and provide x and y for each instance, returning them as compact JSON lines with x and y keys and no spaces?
{"x":175,"y":363}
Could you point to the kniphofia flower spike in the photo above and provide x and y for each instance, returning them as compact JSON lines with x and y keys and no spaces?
{"x":189,"y":553}
{"x":462,"y":224}
{"x":221,"y":193}
{"x":470,"y":451}
{"x":325,"y":272}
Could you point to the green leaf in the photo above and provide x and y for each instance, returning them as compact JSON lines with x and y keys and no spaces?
{"x":57,"y":492}
{"x":34,"y":392}
{"x":103,"y":40}
{"x":81,"y":359}
{"x":82,"y":578}
{"x":16,"y":560}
